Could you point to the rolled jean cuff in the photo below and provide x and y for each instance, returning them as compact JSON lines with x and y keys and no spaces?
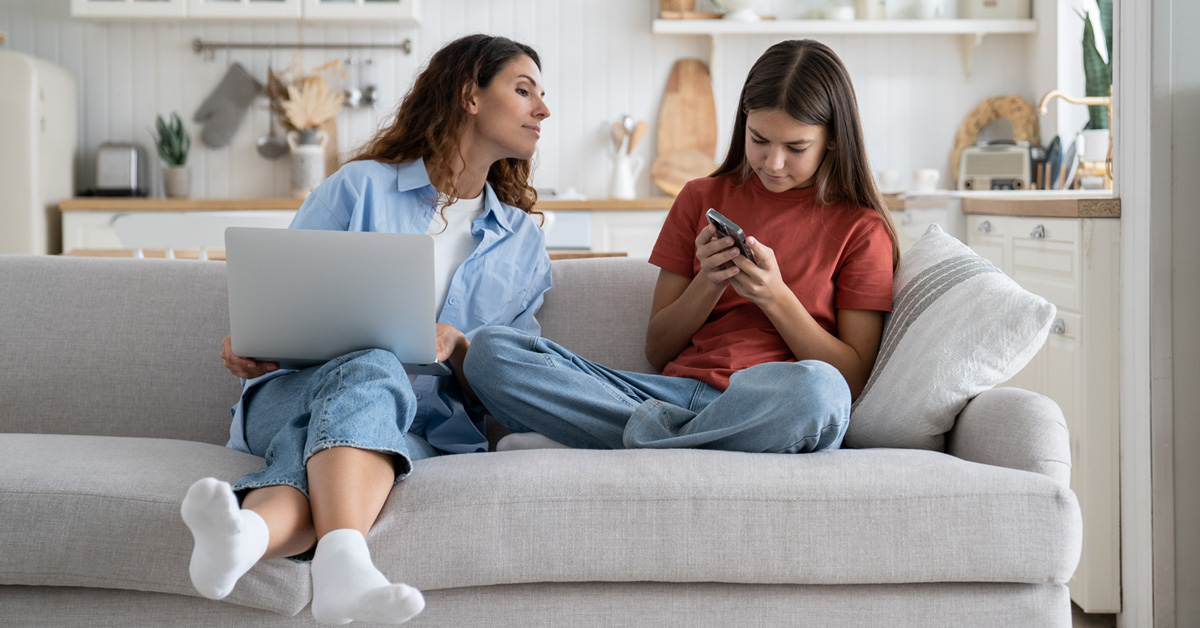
{"x":402,"y":463}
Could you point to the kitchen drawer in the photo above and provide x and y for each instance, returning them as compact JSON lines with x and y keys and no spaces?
{"x":987,"y":225}
{"x":1048,"y":269}
{"x":1044,"y":230}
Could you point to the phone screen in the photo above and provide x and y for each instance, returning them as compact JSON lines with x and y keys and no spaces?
{"x":727,"y":228}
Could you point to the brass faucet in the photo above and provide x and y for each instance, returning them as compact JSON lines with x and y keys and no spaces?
{"x":1105,"y":101}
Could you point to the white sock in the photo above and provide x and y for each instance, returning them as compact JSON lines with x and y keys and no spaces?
{"x":528,"y":440}
{"x":229,"y":540}
{"x":348,"y":587}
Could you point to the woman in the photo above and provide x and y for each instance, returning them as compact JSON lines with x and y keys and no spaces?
{"x":762,"y":357}
{"x":455,"y":163}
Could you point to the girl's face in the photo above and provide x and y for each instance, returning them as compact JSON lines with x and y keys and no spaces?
{"x":783,"y":152}
{"x":508,"y":113}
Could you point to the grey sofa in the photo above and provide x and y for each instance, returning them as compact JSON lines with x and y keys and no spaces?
{"x":113,"y":400}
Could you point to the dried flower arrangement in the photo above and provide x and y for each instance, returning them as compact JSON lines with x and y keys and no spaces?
{"x":305,"y":100}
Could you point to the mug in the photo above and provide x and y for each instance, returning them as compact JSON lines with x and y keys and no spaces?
{"x":926,"y":179}
{"x":888,"y":180}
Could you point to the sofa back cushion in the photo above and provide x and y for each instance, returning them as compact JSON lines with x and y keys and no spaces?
{"x":599,"y":309}
{"x":122,"y":347}
{"x":114,"y":347}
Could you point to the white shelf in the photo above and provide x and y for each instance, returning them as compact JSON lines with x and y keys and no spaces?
{"x":844,"y":27}
{"x":970,"y":33}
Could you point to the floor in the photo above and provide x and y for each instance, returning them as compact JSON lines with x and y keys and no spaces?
{"x":1080,"y":619}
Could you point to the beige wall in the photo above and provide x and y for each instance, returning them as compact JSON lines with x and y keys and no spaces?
{"x":1185,"y":221}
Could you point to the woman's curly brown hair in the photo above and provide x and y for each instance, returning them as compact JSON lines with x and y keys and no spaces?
{"x":430,"y":120}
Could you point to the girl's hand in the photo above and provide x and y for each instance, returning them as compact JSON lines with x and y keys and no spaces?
{"x":759,"y":284}
{"x":714,"y":255}
{"x":450,"y":342}
{"x":246,"y":369}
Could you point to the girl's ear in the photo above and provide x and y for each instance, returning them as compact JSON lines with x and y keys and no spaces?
{"x":469,"y":102}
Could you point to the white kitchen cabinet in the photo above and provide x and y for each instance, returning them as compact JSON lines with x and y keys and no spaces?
{"x":391,"y":10}
{"x":403,"y":11}
{"x":911,"y":223}
{"x":1074,"y":264}
{"x":633,"y":232}
{"x":238,"y":9}
{"x":129,"y":8}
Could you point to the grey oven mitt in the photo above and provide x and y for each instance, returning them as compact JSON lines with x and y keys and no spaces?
{"x":225,"y":108}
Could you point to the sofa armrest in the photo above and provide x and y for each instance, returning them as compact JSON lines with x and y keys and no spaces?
{"x":1014,"y":428}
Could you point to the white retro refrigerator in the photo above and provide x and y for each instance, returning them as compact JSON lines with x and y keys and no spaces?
{"x":38,"y":142}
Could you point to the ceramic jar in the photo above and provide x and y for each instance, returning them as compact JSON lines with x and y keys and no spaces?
{"x":308,"y":160}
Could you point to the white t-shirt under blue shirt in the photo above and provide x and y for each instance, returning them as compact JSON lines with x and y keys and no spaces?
{"x":453,"y":242}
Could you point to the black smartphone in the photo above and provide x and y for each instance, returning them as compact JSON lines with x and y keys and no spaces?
{"x":726,"y":228}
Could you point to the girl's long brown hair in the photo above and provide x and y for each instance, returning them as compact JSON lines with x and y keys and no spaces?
{"x":806,"y":79}
{"x":430,"y":120}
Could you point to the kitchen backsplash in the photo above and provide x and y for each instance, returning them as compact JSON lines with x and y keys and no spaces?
{"x":912,"y":90}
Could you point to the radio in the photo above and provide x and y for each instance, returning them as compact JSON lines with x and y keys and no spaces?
{"x":995,"y":166}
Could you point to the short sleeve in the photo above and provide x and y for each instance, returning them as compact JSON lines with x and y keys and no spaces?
{"x":675,"y":249}
{"x":864,"y":280}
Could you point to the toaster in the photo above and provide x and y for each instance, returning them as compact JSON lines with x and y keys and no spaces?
{"x":995,"y":166}
{"x":121,"y":170}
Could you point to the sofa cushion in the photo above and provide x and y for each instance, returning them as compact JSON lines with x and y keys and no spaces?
{"x":958,"y":327}
{"x":844,"y":517}
{"x":114,"y":347}
{"x":96,"y":511}
{"x":611,"y":294}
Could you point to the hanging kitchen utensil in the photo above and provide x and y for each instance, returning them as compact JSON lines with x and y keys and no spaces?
{"x":271,"y":146}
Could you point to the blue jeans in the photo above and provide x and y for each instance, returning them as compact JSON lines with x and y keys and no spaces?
{"x":531,"y":384}
{"x":362,"y":400}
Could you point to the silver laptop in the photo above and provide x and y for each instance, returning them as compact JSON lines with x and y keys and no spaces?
{"x":301,"y":297}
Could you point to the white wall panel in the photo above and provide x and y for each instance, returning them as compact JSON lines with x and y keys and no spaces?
{"x":912,"y":91}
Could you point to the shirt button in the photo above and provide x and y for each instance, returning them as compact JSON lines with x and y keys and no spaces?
{"x":453,"y":301}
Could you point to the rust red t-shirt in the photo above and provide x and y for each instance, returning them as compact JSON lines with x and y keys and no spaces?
{"x":832,"y":257}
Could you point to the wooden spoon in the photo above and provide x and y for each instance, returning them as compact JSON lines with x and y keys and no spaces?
{"x":639,"y":132}
{"x":618,"y":135}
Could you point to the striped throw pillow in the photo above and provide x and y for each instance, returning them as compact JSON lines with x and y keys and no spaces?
{"x":958,"y":326}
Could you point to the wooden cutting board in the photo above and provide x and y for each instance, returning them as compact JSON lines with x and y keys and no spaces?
{"x":687,"y":128}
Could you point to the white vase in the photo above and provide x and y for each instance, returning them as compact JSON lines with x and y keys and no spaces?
{"x":308,"y":160}
{"x":177,"y":181}
{"x":624,"y":175}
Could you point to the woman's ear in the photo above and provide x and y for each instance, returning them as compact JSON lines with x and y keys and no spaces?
{"x":470,"y":103}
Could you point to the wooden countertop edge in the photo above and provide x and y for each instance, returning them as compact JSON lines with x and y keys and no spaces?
{"x":1045,"y":208}
{"x":218,"y":255}
{"x":110,"y":204}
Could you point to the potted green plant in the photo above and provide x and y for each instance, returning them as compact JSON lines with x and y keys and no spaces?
{"x":173,"y":144}
{"x":1097,"y":74}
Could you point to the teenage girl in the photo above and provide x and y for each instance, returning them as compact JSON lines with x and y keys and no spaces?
{"x":762,"y":357}
{"x":455,"y":163}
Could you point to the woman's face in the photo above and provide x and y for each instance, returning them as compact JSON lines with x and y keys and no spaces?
{"x":783,"y":152}
{"x":508,"y":113}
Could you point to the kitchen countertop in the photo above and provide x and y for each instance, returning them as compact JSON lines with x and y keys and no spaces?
{"x":1067,"y":204}
{"x":110,"y":204}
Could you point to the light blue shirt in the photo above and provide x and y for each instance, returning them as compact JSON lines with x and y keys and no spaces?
{"x":502,"y":283}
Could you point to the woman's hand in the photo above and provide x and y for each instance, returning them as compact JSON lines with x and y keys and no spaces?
{"x":451,"y":343}
{"x":714,"y":255}
{"x":246,"y":369}
{"x":760,"y":284}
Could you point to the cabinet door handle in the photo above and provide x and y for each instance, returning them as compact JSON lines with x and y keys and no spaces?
{"x":985,"y":226}
{"x":1059,"y":326}
{"x":1038,"y":233}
